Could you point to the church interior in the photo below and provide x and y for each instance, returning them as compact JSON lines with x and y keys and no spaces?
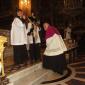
{"x":61,"y":14}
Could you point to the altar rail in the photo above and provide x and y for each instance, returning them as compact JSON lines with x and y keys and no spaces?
{"x":71,"y":54}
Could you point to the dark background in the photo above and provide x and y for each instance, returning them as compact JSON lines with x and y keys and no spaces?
{"x":59,"y":13}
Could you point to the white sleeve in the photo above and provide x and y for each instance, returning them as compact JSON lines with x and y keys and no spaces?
{"x":39,"y":28}
{"x":11,"y":36}
{"x":29,"y":27}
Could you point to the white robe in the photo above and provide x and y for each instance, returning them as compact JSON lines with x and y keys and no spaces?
{"x":30,"y":37}
{"x":68,"y":33}
{"x":18,"y":32}
{"x":55,"y":46}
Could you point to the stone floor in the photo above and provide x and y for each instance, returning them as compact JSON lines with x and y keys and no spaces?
{"x":75,"y":75}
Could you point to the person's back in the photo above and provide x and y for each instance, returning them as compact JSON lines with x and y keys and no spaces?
{"x":54,"y":53}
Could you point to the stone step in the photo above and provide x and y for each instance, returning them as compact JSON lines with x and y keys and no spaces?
{"x":38,"y":76}
{"x":32,"y":78}
{"x":20,"y":75}
{"x":34,"y":75}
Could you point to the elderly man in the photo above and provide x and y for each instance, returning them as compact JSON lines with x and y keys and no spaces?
{"x":54,"y":53}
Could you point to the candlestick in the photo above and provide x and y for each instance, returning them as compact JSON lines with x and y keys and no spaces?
{"x":3,"y":39}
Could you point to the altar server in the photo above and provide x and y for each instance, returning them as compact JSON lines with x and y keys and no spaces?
{"x":19,"y":39}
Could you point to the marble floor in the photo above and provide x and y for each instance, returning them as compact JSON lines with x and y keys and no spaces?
{"x":75,"y":75}
{"x":34,"y":74}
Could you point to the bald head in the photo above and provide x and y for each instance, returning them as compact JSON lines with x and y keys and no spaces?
{"x":45,"y":25}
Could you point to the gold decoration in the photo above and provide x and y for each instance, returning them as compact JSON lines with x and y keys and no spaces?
{"x":3,"y":39}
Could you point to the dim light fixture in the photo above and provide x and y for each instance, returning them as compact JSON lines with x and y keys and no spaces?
{"x":25,"y":5}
